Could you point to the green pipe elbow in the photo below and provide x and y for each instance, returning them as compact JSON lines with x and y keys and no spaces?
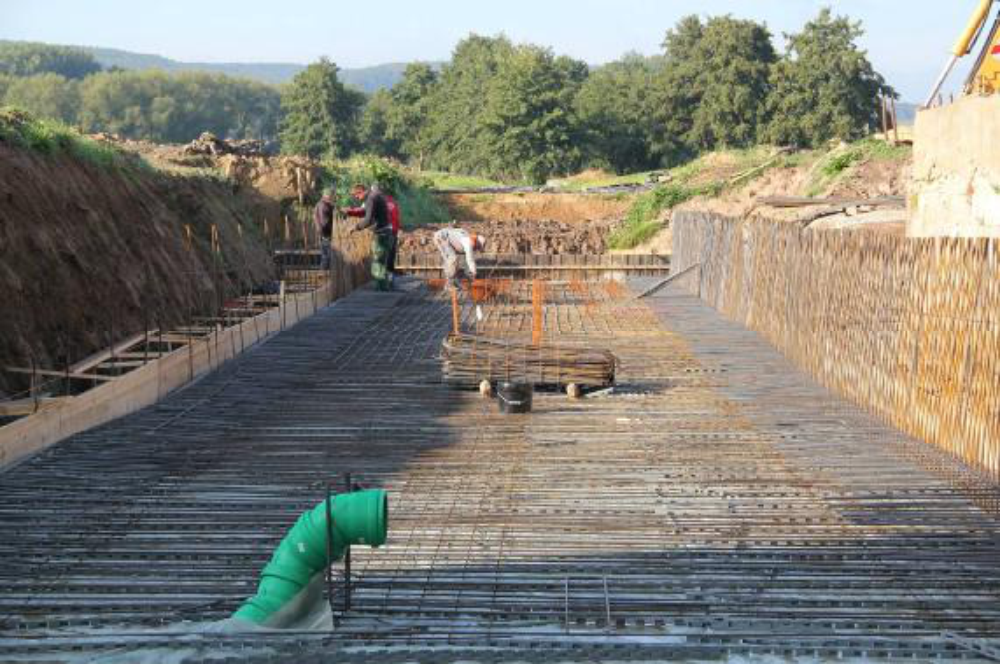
{"x":358,"y":518}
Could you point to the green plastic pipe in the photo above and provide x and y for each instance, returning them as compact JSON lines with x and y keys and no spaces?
{"x":358,"y":518}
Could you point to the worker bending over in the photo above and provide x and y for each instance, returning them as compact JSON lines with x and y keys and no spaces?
{"x":376,"y":216}
{"x":450,"y":242}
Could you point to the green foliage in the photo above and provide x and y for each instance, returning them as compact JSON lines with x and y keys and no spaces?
{"x":46,"y":95}
{"x":47,"y":137}
{"x":497,"y":110}
{"x":825,"y":88}
{"x":528,"y":129}
{"x":456,"y":135}
{"x":373,"y":126}
{"x":418,"y":206}
{"x":687,"y":182}
{"x":642,"y":222}
{"x":834,"y":164}
{"x":320,"y":114}
{"x":714,"y":87}
{"x":30,"y":59}
{"x":176,"y":108}
{"x":408,"y":112}
{"x":616,"y":106}
{"x":444,"y":181}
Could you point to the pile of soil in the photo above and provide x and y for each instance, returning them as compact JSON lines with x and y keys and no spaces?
{"x":523,"y":237}
{"x":560,"y":207}
{"x":89,"y":253}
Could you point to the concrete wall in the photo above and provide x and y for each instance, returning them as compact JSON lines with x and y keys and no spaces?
{"x":956,"y":170}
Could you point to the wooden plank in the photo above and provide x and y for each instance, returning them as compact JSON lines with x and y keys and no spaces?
{"x":87,"y":363}
{"x":122,"y":364}
{"x":58,"y":374}
{"x":837,"y":201}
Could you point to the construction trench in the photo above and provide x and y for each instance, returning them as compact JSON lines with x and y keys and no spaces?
{"x":716,"y":504}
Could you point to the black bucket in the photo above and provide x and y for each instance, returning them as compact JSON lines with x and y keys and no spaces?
{"x":515,"y":397}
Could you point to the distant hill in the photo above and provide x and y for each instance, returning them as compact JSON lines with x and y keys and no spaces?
{"x":368,"y":79}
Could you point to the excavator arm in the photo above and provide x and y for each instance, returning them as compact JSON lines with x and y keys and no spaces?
{"x":986,"y":74}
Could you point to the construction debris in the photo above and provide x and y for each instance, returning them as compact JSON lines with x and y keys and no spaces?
{"x":209,"y":143}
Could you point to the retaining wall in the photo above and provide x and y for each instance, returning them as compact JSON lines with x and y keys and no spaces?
{"x":908,"y":328}
{"x":955,"y":190}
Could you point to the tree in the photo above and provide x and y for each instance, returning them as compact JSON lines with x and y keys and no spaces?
{"x":617,"y":111}
{"x":408,"y":113}
{"x":676,"y":92}
{"x":372,"y":129}
{"x":456,"y":135}
{"x":156,"y":106}
{"x":529,"y":129}
{"x":30,"y":59}
{"x":46,"y":95}
{"x":320,"y":114}
{"x":824,"y":88}
{"x":730,"y":66}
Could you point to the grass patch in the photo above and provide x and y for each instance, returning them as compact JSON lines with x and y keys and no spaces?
{"x":418,"y":207}
{"x":51,"y":138}
{"x":442,"y":181}
{"x":688,"y":181}
{"x":642,"y":222}
{"x":832,"y":166}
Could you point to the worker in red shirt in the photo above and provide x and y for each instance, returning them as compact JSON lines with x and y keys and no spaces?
{"x":360,"y":192}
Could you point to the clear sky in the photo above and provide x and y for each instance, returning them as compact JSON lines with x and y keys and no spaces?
{"x":908,"y":40}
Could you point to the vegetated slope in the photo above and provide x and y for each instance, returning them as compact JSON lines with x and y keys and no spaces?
{"x":732,"y":183}
{"x":93,"y":245}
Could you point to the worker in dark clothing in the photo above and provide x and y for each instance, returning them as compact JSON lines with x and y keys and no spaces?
{"x":359,"y":191}
{"x":394,"y":218}
{"x":376,"y":216}
{"x":323,"y":215}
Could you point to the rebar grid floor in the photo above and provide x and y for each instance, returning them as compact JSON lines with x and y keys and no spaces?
{"x":718,"y":504}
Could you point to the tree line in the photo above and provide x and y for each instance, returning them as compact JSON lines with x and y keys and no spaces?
{"x":504,"y":110}
{"x":68,"y":85}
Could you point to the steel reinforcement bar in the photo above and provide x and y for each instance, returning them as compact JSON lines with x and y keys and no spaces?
{"x":907,"y":328}
{"x":718,"y":503}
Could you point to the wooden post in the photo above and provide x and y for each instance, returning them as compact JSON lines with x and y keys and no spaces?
{"x":455,"y":319}
{"x":895,"y":121}
{"x":885,"y":118}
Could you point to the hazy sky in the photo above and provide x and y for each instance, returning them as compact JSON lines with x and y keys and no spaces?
{"x":908,"y":40}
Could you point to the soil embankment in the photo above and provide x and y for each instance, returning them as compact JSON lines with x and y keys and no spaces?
{"x":567,"y":208}
{"x":523,"y":236}
{"x":91,"y":252}
{"x":552,"y":223}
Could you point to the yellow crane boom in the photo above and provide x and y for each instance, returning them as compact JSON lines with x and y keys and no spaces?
{"x":985,"y":75}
